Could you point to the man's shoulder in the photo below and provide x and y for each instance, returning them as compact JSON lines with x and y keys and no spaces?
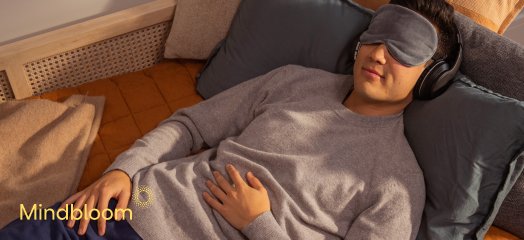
{"x":294,"y":79}
{"x":294,"y":69}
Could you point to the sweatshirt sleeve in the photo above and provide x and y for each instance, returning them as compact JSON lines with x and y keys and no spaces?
{"x":395,"y":211}
{"x":203,"y":124}
{"x":265,"y":227}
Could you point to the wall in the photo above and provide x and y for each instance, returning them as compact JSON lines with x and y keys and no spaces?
{"x":20,"y":19}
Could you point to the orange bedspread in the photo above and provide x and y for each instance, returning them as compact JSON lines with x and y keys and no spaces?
{"x":136,"y":102}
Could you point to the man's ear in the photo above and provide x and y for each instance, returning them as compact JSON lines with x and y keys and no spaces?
{"x":429,"y":62}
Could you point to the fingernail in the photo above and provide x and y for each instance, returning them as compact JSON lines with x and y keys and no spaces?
{"x":250,"y":174}
{"x":229,"y":166}
{"x":215,"y":173}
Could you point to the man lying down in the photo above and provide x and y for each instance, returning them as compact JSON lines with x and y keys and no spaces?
{"x":297,"y":153}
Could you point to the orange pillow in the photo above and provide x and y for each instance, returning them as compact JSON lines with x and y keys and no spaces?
{"x":371,"y":4}
{"x":494,"y":15}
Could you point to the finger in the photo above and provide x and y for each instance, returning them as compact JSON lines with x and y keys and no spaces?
{"x":103,"y":202}
{"x":84,"y":222}
{"x":222,"y":182}
{"x":217,"y":192}
{"x":213,"y":202}
{"x":254,"y":182}
{"x":235,"y":176}
{"x":70,"y":199}
{"x":123,"y":201}
{"x":78,"y":205}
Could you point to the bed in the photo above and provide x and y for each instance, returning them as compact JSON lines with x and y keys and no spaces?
{"x":140,"y":86}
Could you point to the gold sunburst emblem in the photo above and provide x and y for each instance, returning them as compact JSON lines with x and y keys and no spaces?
{"x":143,"y":196}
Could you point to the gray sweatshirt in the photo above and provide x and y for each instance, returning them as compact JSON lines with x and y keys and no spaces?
{"x":330,"y":173}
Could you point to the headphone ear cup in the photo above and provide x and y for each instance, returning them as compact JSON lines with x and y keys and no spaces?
{"x":424,"y":88}
{"x":438,"y":76}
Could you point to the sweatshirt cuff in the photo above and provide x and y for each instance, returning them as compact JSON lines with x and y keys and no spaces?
{"x":264,"y":227}
{"x":124,"y":164}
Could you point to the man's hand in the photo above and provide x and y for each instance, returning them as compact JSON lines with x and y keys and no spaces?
{"x":239,"y":204}
{"x":114,"y":184}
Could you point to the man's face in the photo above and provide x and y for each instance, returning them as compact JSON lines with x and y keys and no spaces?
{"x":378,"y":77}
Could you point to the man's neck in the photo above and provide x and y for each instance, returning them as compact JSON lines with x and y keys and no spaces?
{"x":373,"y":108}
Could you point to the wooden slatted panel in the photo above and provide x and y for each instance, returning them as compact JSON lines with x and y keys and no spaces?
{"x":129,"y":52}
{"x":6,"y":93}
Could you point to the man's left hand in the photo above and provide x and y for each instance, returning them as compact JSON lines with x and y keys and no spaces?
{"x":241,"y":203}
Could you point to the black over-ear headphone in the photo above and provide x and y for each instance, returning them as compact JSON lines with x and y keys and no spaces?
{"x":438,"y":75}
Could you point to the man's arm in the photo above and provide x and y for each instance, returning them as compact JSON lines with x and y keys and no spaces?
{"x":265,"y":226}
{"x":395,"y":211}
{"x":204,"y":124}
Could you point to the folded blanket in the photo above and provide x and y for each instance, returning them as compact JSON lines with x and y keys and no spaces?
{"x":43,"y":150}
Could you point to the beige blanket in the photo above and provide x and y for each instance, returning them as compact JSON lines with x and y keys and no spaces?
{"x":43,"y":149}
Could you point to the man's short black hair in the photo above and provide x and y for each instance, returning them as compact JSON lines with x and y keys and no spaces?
{"x":440,"y":14}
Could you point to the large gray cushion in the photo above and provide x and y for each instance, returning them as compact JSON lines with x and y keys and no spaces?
{"x":266,"y":34}
{"x":511,"y":213}
{"x":467,"y":142}
{"x":491,"y":60}
{"x":497,"y":63}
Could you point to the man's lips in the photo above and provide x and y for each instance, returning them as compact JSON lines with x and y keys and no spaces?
{"x":373,"y":72}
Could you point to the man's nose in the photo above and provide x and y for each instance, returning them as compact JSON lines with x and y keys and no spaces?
{"x":378,"y":54}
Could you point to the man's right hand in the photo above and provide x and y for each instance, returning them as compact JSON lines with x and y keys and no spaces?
{"x":114,"y":184}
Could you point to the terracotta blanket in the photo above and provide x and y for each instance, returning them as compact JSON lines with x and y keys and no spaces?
{"x":43,"y":149}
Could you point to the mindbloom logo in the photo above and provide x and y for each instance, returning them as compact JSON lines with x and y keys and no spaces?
{"x":70,"y":212}
{"x":143,"y":196}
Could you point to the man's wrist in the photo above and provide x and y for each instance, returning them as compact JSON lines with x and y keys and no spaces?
{"x":119,"y":172}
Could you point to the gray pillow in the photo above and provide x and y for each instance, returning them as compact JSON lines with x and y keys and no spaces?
{"x":497,"y":63}
{"x":467,"y":142}
{"x":266,"y":34}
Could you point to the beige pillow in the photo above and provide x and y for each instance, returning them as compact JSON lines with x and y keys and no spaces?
{"x":495,"y":15}
{"x":198,"y":26}
{"x":43,"y":150}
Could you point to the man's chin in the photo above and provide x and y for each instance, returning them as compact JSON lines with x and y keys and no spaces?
{"x":382,"y":99}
